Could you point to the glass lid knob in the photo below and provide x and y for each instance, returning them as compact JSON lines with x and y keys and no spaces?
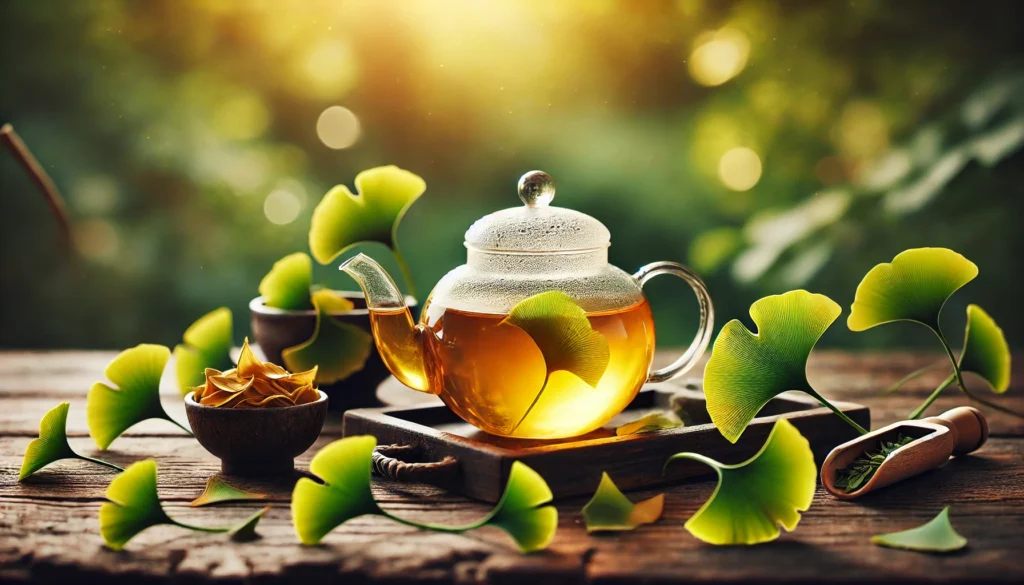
{"x":536,"y":189}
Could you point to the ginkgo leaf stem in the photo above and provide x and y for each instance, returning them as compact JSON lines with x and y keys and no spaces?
{"x":406,"y":272}
{"x":911,"y":376}
{"x":952,"y":357}
{"x":993,"y":405}
{"x":199,"y":528}
{"x":438,"y":527}
{"x":99,"y":462}
{"x":179,"y":425}
{"x":536,"y":398}
{"x":838,"y":412}
{"x":935,"y":394}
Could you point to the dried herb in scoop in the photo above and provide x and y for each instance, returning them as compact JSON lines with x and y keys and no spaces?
{"x":855,"y":475}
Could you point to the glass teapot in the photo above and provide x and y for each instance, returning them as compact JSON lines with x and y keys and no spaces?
{"x":536,"y":336}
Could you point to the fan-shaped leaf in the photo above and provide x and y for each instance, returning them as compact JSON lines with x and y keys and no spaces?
{"x":522,"y":512}
{"x":136,"y":373}
{"x":207,"y":344}
{"x":219,"y":490}
{"x":344,"y":465}
{"x":746,"y":370}
{"x":343,"y":219}
{"x":246,"y":531}
{"x":655,"y":421}
{"x":755,"y":497}
{"x":561,"y":330}
{"x":913,"y":287}
{"x":287,"y":284}
{"x":52,"y":444}
{"x":986,"y":352}
{"x":337,"y":349}
{"x":937,"y":535}
{"x":133,"y":507}
{"x":609,"y":509}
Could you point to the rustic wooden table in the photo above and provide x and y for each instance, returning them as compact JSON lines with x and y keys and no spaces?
{"x":49,"y":528}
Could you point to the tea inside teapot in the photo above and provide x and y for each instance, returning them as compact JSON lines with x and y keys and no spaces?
{"x":493,"y":371}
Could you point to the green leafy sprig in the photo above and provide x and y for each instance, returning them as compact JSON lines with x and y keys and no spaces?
{"x":135,"y":506}
{"x":524,"y":511}
{"x":863,"y":468}
{"x":915,"y":287}
{"x":52,"y":444}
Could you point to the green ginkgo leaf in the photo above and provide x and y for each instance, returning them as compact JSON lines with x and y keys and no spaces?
{"x":562,"y":332}
{"x":135,"y":506}
{"x":344,"y":466}
{"x":219,"y":490}
{"x":207,"y":344}
{"x":755,"y":497}
{"x":246,"y":531}
{"x":747,"y":370}
{"x":342,"y":219}
{"x":986,"y":352}
{"x":937,"y":535}
{"x":524,"y":511}
{"x":52,"y":444}
{"x":913,"y":287}
{"x":287,"y":284}
{"x":135,"y":373}
{"x":609,"y":509}
{"x":337,"y":349}
{"x":655,"y":421}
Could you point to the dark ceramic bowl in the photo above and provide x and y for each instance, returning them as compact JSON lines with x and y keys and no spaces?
{"x":276,"y":330}
{"x":256,"y":441}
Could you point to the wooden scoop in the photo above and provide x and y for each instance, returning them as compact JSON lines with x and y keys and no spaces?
{"x":955,"y":432}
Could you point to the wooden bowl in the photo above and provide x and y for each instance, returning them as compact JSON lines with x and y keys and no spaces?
{"x":257,"y":441}
{"x":276,"y":330}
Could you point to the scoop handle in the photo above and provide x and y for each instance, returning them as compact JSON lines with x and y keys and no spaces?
{"x":969,"y":427}
{"x":707,"y":317}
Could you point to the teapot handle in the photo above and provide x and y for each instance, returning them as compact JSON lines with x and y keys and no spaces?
{"x":707,"y":317}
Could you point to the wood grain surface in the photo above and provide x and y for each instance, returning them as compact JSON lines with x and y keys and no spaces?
{"x":49,"y":529}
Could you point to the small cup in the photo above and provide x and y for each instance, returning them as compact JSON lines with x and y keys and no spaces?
{"x":277,"y":329}
{"x":257,"y":441}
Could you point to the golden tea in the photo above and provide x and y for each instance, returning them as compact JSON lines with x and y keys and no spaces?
{"x":489,"y":372}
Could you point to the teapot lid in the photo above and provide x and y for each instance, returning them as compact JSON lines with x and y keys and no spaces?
{"x":537,"y":227}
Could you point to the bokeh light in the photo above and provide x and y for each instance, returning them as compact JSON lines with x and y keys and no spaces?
{"x":338,"y":127}
{"x":739,"y":168}
{"x":282,"y":207}
{"x":241,"y":117}
{"x":719,"y":56}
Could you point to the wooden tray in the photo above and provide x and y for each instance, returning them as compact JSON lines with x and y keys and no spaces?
{"x":430,"y":444}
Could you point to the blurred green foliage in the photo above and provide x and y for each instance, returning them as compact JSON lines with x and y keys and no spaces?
{"x":177,"y":129}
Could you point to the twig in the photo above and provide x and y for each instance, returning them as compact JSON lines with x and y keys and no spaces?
{"x":42,"y":180}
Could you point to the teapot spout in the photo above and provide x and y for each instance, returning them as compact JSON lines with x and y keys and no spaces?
{"x":402,"y":344}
